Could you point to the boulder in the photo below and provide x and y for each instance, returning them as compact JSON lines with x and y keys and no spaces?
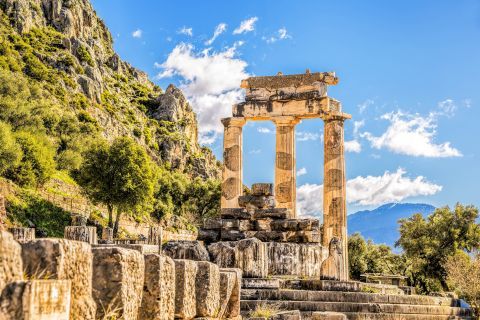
{"x":183,"y":249}
{"x":36,"y":299}
{"x":118,"y":277}
{"x":185,"y":293}
{"x":158,"y":301}
{"x":207,"y":286}
{"x":11,"y":266}
{"x":62,"y":259}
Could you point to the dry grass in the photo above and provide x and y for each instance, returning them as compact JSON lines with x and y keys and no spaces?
{"x":265,"y":310}
{"x":112,"y":311}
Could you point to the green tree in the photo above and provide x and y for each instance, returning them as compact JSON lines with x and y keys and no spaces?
{"x":428,"y":243}
{"x":10,"y":152}
{"x":122,"y":176}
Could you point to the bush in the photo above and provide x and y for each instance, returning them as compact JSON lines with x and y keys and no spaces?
{"x":85,"y":56}
{"x":10,"y":152}
{"x":35,"y":68}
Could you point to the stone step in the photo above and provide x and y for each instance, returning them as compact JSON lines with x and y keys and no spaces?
{"x":389,"y":316}
{"x":260,"y":283}
{"x":344,"y":286}
{"x":349,"y":307}
{"x":349,"y":297}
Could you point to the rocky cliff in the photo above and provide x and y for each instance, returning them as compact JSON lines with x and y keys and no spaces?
{"x":65,"y":48}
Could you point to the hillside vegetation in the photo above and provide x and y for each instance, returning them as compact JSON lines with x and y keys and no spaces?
{"x":63,"y":90}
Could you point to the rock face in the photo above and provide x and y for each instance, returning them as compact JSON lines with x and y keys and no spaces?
{"x":158,"y":301}
{"x":165,"y":123}
{"x":185,"y":293}
{"x":207,"y":287}
{"x":36,"y":299}
{"x":63,"y":260}
{"x":11,"y":266}
{"x":118,"y":277}
{"x":182,"y":249}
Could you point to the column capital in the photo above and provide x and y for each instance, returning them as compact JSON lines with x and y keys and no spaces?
{"x":330,"y":116}
{"x":286,"y":121}
{"x":234,"y":121}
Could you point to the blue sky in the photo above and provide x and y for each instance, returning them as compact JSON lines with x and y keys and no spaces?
{"x":409,"y":75}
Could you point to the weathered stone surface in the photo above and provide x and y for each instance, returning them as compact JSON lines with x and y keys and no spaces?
{"x":107,"y":234}
{"x":158,"y":301}
{"x":23,"y":234}
{"x":295,"y":225}
{"x":36,"y":300}
{"x":212,"y":224}
{"x":11,"y":266}
{"x":237,"y":224}
{"x":183,"y":249}
{"x":155,"y":235}
{"x":223,"y":254}
{"x":262,"y":189}
{"x":227,"y":282}
{"x":274,"y":213}
{"x":118,"y":277}
{"x":63,"y":260}
{"x":232,"y":235}
{"x":251,"y":258}
{"x":333,"y":268}
{"x":258,"y":202}
{"x":185,"y":293}
{"x":287,"y":315}
{"x":262,"y":224}
{"x":207,"y":286}
{"x":236,"y":213}
{"x":232,"y":304}
{"x":81,"y":233}
{"x":208,"y":236}
{"x":295,"y":259}
{"x":79,"y":220}
{"x":328,"y":316}
{"x":260,"y":283}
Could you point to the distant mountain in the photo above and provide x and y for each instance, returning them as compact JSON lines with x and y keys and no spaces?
{"x":381,"y":224}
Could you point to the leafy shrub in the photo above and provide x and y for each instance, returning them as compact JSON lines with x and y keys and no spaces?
{"x":84,"y":56}
{"x":10,"y":152}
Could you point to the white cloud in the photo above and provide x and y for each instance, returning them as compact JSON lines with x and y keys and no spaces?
{"x":210,"y":81}
{"x":357,"y":125}
{"x":255,"y":151}
{"x":301,"y":172}
{"x":246,"y":26}
{"x":364,"y":105}
{"x":353,"y":146}
{"x":448,"y":107}
{"x":370,"y":190}
{"x":307,"y":136}
{"x":281,"y":34}
{"x":411,"y":135}
{"x":221,"y":28}
{"x":186,"y":31}
{"x":467,"y":103}
{"x":137,"y":33}
{"x":264,"y":130}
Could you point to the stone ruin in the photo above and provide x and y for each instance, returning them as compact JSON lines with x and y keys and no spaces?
{"x":257,"y":253}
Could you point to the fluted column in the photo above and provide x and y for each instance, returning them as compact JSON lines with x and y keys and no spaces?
{"x":334,"y":193}
{"x":285,"y":174}
{"x":232,"y":186}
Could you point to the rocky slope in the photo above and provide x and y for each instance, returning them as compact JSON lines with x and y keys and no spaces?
{"x":64,"y":47}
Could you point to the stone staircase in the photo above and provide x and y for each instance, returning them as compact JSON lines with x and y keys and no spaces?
{"x":354,"y":299}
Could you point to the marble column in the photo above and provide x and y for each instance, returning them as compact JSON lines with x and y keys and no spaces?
{"x":232,"y":186}
{"x":334,"y":196}
{"x":285,"y":174}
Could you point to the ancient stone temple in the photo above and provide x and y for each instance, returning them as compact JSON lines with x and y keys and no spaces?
{"x":286,"y":100}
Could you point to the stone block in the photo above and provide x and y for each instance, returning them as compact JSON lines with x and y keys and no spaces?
{"x":223,"y":254}
{"x":155,"y":235}
{"x":267,"y":236}
{"x":62,"y":259}
{"x":207,"y":286}
{"x":262,"y":224}
{"x":36,"y":300}
{"x":251,"y":258}
{"x":236,"y":213}
{"x":158,"y":300}
{"x":237,"y":224}
{"x":260,"y":283}
{"x":294,"y":259}
{"x":81,"y":233}
{"x":227,"y":282}
{"x":328,"y":316}
{"x":107,"y":234}
{"x":232,"y":235}
{"x":185,"y":293}
{"x":184,"y":249}
{"x":274,"y":213}
{"x":11,"y":266}
{"x":257,"y":202}
{"x":295,"y":225}
{"x":118,"y":277}
{"x":232,"y":310}
{"x":142,"y":248}
{"x":79,"y":220}
{"x":212,"y":224}
{"x":22,"y":234}
{"x":287,"y":315}
{"x":262,"y":189}
{"x":208,"y":236}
